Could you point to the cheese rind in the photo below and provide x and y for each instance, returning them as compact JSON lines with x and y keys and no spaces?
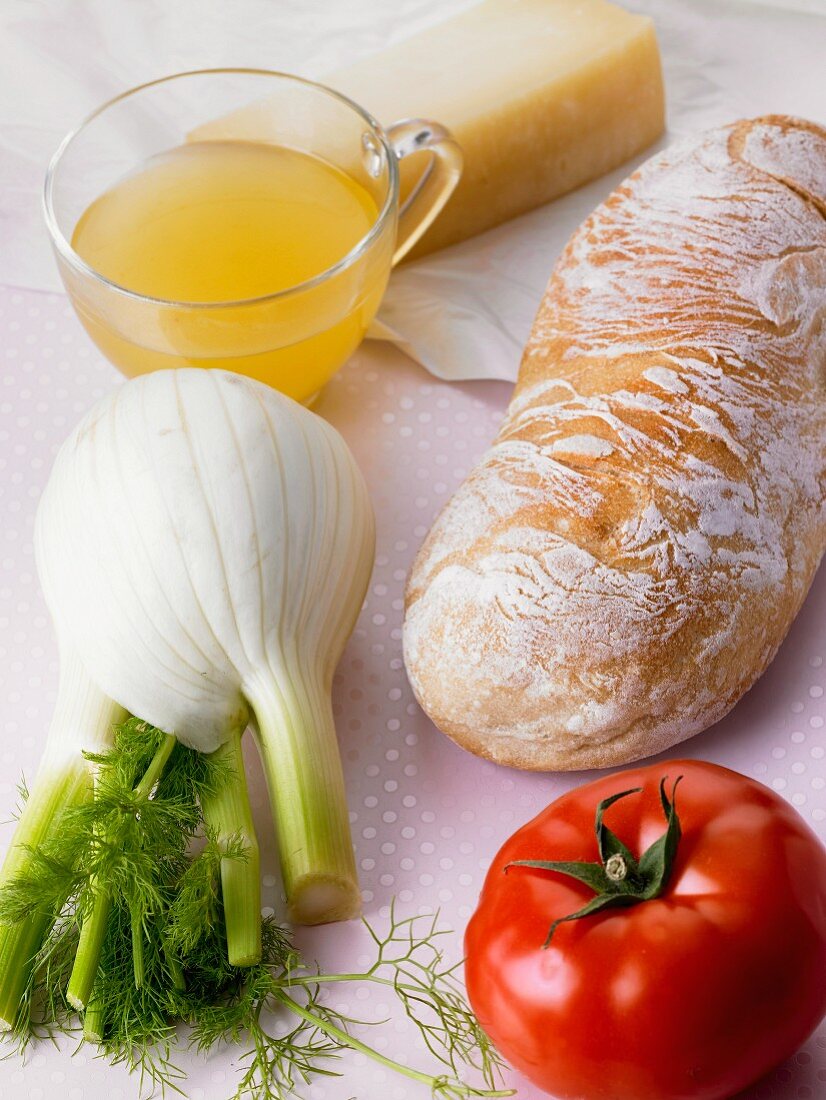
{"x":542,"y":96}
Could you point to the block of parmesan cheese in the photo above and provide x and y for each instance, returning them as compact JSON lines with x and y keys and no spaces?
{"x":542,"y":96}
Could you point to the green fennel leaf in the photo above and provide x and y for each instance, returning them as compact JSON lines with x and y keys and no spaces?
{"x":165,"y":896}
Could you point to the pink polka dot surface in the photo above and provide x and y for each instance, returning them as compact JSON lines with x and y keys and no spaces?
{"x":426,"y":817}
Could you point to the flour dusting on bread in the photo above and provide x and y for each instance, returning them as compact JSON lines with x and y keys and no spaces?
{"x":627,"y":557}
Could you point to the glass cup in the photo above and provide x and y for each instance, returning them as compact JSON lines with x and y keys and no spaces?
{"x":295,"y":338}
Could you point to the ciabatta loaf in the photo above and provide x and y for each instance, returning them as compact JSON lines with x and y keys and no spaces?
{"x":626,"y":559}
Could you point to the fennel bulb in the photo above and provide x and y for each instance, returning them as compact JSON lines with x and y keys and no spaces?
{"x":204,"y":545}
{"x":207,"y":543}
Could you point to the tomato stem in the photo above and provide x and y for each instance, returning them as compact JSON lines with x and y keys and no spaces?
{"x":616,"y":868}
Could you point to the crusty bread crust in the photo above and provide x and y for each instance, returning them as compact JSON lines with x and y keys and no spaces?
{"x":626,"y":559}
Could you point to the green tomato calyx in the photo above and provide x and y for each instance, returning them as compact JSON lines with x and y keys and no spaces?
{"x":618,"y":879}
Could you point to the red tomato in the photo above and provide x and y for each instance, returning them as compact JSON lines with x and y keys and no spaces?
{"x":691,"y":995}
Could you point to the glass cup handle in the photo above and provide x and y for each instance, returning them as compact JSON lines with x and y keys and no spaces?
{"x":437,"y":183}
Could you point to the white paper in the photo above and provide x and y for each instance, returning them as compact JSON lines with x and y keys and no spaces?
{"x":465,"y":312}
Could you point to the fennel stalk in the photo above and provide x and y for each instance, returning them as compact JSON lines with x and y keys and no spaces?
{"x":83,"y":715}
{"x":299,"y":750}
